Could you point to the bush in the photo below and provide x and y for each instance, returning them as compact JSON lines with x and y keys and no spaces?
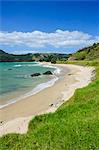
{"x":53,"y":60}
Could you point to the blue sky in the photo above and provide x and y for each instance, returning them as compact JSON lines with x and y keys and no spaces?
{"x":48,"y":26}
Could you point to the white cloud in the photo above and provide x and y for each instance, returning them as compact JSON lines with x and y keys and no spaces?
{"x":23,"y":51}
{"x":38,"y":39}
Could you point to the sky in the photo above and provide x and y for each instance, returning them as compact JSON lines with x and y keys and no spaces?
{"x":48,"y":26}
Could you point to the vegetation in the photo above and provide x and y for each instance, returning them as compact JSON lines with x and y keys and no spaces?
{"x":81,"y":62}
{"x":5,"y":57}
{"x":88,"y":53}
{"x":74,"y":126}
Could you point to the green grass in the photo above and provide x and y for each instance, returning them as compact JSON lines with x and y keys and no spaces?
{"x":87,"y":53}
{"x":83,"y":63}
{"x":74,"y":126}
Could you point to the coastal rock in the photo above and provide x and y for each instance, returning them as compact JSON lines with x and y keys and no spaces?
{"x":35,"y":74}
{"x":51,"y":104}
{"x":47,"y":73}
{"x":69,"y":74}
{"x":9,"y":69}
{"x":1,"y":122}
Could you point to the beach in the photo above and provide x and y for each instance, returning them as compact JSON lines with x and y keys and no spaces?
{"x":15,"y":117}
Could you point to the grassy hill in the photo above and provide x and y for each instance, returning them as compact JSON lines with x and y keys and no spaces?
{"x":88,"y":53}
{"x":51,"y":57}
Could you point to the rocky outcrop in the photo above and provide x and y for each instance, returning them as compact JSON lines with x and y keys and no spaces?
{"x":47,"y":73}
{"x":9,"y":69}
{"x":35,"y":74}
{"x":38,"y":74}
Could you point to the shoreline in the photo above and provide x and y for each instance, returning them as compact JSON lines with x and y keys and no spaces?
{"x":32,"y":92}
{"x":37,"y":88}
{"x":22,"y":112}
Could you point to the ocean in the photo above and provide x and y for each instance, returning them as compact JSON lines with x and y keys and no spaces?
{"x":16,"y":81}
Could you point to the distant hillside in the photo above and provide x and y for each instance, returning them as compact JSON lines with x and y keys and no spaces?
{"x":88,"y":53}
{"x":51,"y":57}
{"x":5,"y":57}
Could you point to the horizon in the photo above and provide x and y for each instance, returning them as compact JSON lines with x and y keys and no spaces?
{"x":48,"y":26}
{"x":28,"y":52}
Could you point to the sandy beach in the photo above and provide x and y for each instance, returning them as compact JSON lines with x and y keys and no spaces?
{"x":15,"y":117}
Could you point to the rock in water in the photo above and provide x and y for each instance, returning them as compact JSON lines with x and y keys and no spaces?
{"x":47,"y":73}
{"x":9,"y":69}
{"x":35,"y":74}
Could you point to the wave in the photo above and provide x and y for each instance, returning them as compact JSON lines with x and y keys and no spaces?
{"x":35,"y":90}
{"x":27,"y":65}
{"x":17,"y":65}
{"x":57,"y":69}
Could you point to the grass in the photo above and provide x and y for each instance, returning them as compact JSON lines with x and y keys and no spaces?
{"x":95,"y":62}
{"x":74,"y":126}
{"x":87,"y":53}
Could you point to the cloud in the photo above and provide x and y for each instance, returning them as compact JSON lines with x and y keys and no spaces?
{"x":20,"y":51}
{"x":38,"y":39}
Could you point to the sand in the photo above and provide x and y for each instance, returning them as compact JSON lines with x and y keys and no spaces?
{"x":15,"y":117}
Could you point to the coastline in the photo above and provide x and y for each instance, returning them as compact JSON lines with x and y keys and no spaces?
{"x":19,"y":95}
{"x":15,"y":117}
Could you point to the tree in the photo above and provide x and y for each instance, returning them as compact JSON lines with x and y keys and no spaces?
{"x":53,"y":60}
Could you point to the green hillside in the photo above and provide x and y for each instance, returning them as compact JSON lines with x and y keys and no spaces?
{"x":48,"y":57}
{"x":88,"y":53}
{"x":5,"y":57}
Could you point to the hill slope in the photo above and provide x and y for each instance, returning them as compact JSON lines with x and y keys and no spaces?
{"x":88,"y":53}
{"x":5,"y":57}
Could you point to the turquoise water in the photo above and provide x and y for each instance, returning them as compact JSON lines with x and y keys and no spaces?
{"x":15,"y":78}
